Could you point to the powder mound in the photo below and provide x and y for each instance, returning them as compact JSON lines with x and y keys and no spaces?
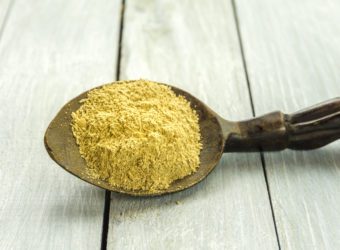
{"x":137,"y":135}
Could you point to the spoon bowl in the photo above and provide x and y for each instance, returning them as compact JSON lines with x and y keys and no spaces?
{"x":307,"y":129}
{"x":62,"y":148}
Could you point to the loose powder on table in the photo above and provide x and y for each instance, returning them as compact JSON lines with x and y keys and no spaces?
{"x":137,"y":135}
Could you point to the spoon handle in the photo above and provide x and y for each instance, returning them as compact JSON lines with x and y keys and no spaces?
{"x":310,"y":128}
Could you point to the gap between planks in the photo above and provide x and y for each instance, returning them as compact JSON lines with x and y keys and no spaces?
{"x":263,"y":162}
{"x":107,"y":202}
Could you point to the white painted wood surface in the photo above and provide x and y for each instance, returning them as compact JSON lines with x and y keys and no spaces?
{"x":193,"y":44}
{"x":292,"y":50}
{"x":50,"y":52}
{"x":4,"y":9}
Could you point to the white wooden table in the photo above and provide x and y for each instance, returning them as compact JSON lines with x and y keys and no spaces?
{"x":241,"y":57}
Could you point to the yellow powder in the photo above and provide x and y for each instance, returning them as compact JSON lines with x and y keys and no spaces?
{"x":137,"y":135}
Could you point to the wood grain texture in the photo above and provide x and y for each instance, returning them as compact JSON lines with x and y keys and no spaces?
{"x":193,"y":45}
{"x":50,"y":52}
{"x":293,"y":56}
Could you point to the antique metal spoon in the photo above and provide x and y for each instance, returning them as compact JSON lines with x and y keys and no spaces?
{"x":307,"y":129}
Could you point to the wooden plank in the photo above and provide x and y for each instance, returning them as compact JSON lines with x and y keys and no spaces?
{"x":293,"y":56}
{"x":50,"y":52}
{"x":193,"y":45}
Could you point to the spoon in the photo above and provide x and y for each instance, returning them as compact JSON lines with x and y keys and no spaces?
{"x":307,"y":129}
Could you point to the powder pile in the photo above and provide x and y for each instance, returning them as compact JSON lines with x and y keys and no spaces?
{"x":137,"y":135}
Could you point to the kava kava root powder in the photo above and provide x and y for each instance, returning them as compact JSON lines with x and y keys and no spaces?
{"x":137,"y":135}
